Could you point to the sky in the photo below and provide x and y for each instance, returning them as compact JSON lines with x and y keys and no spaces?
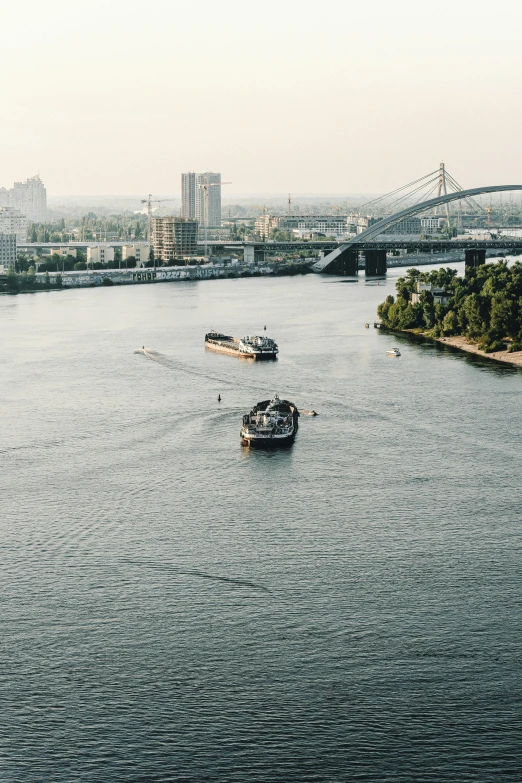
{"x":293,"y":96}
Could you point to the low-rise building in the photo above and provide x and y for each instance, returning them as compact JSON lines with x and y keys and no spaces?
{"x":305,"y":225}
{"x":7,"y":250}
{"x":100,"y":254}
{"x":416,"y":225}
{"x":63,"y":252}
{"x":138,"y":251}
{"x":431,"y":225}
{"x":440,"y":295}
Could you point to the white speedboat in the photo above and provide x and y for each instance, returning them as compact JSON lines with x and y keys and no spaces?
{"x":393,"y":352}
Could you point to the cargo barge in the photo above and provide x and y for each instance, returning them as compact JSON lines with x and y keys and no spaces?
{"x":270,"y":424}
{"x":250,"y":347}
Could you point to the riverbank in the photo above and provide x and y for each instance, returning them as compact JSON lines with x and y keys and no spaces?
{"x":59,"y":281}
{"x":461,"y":343}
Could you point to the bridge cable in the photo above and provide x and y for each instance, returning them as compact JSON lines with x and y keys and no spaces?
{"x":397,"y":190}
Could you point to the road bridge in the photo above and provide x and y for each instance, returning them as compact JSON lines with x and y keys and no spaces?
{"x":345,"y":259}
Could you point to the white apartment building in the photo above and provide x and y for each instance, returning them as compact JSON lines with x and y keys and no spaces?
{"x":12,"y":221}
{"x":30,"y":198}
{"x":431,"y":225}
{"x":201,"y":197}
{"x":100,"y":254}
{"x":139,"y":252}
{"x":7,"y":250}
{"x":303,"y":225}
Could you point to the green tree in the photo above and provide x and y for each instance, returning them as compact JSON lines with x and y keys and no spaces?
{"x":450,"y":323}
{"x":13,"y":281}
{"x":473,"y":313}
{"x":503,"y":321}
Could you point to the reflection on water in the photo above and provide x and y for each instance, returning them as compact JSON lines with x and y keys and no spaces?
{"x":176,"y":607}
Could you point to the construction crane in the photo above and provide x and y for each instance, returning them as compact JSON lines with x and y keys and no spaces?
{"x":204,"y":186}
{"x":149,"y":202}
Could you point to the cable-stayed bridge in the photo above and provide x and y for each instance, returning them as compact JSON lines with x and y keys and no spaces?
{"x":414,"y":199}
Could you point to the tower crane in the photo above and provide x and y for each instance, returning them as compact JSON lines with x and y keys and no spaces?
{"x":204,"y":186}
{"x":149,"y":202}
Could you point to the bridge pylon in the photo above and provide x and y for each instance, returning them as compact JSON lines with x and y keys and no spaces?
{"x":375,"y":263}
{"x":474,"y":256}
{"x":345,"y":262}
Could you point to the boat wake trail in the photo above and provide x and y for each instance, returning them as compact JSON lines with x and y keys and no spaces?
{"x":171,"y":364}
{"x":167,"y":568}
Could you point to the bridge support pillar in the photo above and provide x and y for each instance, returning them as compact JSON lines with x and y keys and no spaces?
{"x":253,"y":255}
{"x":346,"y":263}
{"x":474,"y":257}
{"x":375,"y":263}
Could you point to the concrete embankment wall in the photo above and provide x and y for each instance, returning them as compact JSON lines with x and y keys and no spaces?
{"x":90,"y":278}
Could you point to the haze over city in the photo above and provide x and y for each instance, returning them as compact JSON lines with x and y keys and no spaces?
{"x":261,"y":332}
{"x":120,"y":98}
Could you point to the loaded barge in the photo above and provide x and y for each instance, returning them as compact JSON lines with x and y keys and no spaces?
{"x":250,"y":347}
{"x":270,"y":424}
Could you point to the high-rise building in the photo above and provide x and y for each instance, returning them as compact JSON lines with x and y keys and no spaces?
{"x":188,"y":195}
{"x":201,"y":197}
{"x":174,"y":238}
{"x":13,"y":222}
{"x":30,"y":198}
{"x":7,"y":250}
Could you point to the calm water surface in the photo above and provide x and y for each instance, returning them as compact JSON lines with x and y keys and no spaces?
{"x":175,"y":608}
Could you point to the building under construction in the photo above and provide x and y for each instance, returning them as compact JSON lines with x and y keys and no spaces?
{"x":174,"y":238}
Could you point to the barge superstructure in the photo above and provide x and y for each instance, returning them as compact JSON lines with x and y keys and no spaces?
{"x":250,"y":347}
{"x":270,"y":423}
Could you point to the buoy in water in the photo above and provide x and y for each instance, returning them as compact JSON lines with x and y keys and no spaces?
{"x":219,"y":397}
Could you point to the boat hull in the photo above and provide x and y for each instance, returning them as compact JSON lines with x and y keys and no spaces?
{"x":265,"y":355}
{"x":272,"y":442}
{"x":254,"y":347}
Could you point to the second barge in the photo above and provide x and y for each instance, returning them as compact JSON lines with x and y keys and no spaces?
{"x":250,"y":347}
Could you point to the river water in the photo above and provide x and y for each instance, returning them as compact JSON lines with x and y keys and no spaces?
{"x":175,"y":608}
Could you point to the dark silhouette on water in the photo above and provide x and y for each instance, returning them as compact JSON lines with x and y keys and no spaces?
{"x":219,"y":397}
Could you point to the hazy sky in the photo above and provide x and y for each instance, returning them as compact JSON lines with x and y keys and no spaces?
{"x":114,"y":97}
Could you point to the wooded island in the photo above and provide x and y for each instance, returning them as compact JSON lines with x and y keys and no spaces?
{"x":485,"y":306}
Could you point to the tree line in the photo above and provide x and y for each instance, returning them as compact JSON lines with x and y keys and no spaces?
{"x":485,"y":306}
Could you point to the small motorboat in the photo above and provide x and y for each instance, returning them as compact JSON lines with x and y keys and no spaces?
{"x":393,"y":352}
